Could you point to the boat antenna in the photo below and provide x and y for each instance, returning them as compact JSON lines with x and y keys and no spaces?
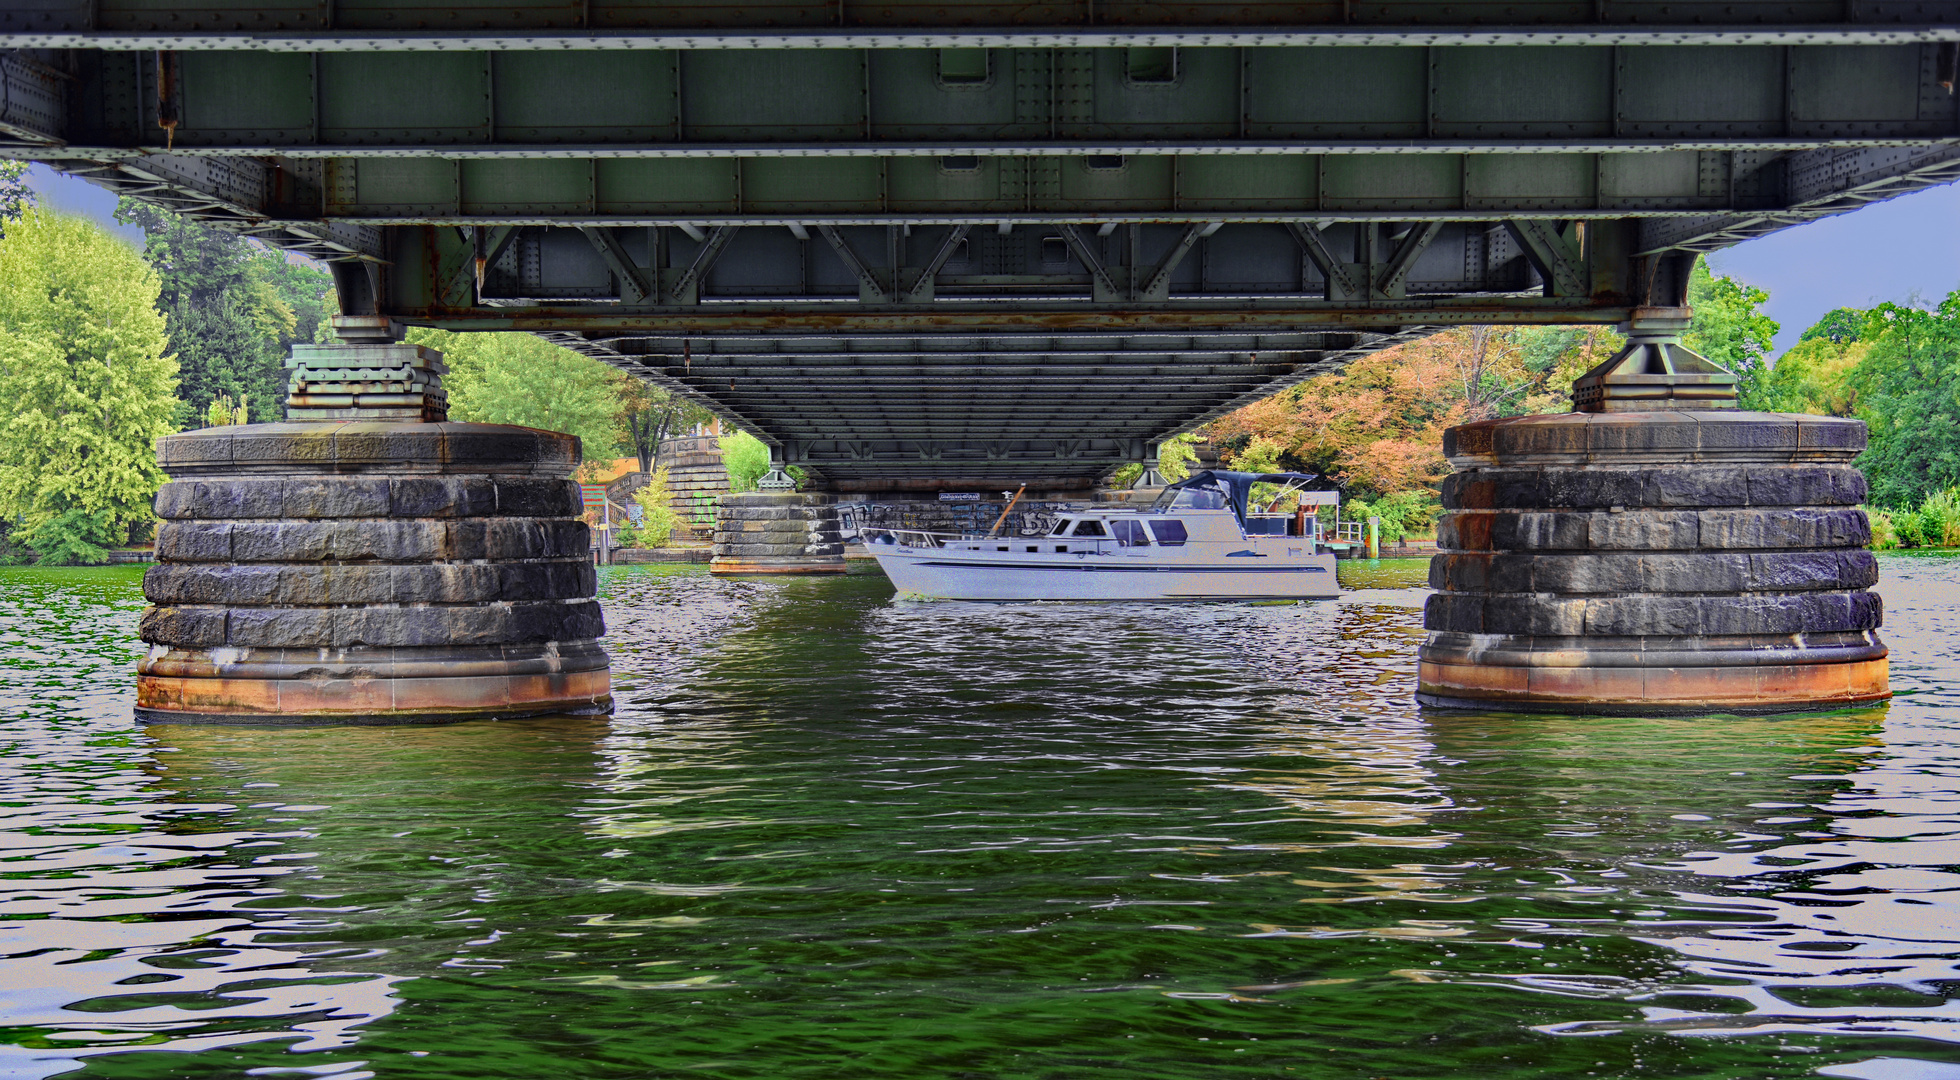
{"x":998,"y":522}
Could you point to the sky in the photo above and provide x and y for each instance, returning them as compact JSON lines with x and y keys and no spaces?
{"x":1902,"y":250}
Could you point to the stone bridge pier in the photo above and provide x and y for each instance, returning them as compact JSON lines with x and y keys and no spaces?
{"x":1657,"y":552}
{"x":368,"y":562}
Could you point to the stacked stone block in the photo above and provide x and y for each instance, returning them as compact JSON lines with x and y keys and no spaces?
{"x":370,"y":572}
{"x":1660,"y":562}
{"x":366,"y":381}
{"x":777,"y":533}
{"x":695,"y":478}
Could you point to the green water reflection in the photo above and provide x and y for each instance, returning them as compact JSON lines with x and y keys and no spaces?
{"x":833,"y":835}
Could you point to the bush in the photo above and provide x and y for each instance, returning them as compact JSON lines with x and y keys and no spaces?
{"x":76,"y":537}
{"x":1906,"y":526}
{"x":1404,"y":513}
{"x":1885,"y":534}
{"x":1934,"y":523}
{"x":657,"y":517}
{"x":1175,"y":456}
{"x":225,"y":412}
{"x":745,"y":458}
{"x":1939,"y":518}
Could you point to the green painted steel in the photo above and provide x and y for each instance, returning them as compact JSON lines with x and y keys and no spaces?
{"x":962,"y":242}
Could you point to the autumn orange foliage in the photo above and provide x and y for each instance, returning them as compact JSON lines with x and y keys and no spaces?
{"x":1378,"y":425}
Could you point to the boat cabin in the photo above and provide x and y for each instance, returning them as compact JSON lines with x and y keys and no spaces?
{"x":1215,"y":536}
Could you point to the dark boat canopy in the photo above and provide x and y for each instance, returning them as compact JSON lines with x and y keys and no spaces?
{"x":1237,"y":485}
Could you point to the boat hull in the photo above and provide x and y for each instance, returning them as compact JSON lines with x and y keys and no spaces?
{"x":940,"y":575}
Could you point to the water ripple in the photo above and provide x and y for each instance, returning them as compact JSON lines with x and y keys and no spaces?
{"x":829,"y":834}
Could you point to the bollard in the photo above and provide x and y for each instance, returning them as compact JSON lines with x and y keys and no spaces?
{"x":1374,"y":538}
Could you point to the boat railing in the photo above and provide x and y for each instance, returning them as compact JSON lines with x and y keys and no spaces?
{"x":916,"y":538}
{"x":974,"y":541}
{"x":1347,"y":532}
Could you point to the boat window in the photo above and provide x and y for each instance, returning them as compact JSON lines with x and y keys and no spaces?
{"x":1129,"y":533}
{"x":1060,"y":527}
{"x":1089,"y":527}
{"x":1168,"y":531}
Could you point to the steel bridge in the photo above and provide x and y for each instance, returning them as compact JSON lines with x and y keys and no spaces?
{"x":966,"y":242}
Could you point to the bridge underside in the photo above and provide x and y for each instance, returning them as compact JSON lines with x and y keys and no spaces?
{"x":959,"y":244}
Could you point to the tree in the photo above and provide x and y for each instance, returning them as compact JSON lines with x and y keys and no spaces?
{"x":1377,"y":427}
{"x":1908,"y":394}
{"x":305,"y":289}
{"x":657,"y":517}
{"x":15,"y":196}
{"x":1175,"y":456}
{"x":1730,"y":328}
{"x":1840,"y":326}
{"x":648,"y":414}
{"x":522,"y":379}
{"x":88,"y":386}
{"x":1815,"y":375}
{"x":745,"y":458}
{"x":234,"y":307}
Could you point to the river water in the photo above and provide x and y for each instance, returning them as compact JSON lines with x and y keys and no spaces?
{"x":833,"y":835}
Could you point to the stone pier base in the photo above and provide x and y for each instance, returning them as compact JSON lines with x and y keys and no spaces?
{"x":1652,"y":563}
{"x":370,"y":572}
{"x":777,"y":533}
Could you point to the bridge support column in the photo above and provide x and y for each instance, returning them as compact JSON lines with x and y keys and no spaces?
{"x":1672,"y":558}
{"x":376,"y":568}
{"x":777,"y":532}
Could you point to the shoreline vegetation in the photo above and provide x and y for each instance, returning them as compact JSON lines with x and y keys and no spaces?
{"x":1933,"y":524}
{"x":105,"y":347}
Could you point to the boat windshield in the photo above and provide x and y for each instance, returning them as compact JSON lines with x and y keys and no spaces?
{"x":1190,"y":498}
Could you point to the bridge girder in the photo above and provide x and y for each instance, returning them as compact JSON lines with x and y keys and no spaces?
{"x":962,"y":242}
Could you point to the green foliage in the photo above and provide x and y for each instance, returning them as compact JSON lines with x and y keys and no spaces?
{"x":224,"y":412}
{"x":522,"y":379}
{"x":1730,"y":328}
{"x":746,"y":458}
{"x":1939,"y":519}
{"x":88,"y":387}
{"x":1261,"y":455}
{"x":1813,"y":377}
{"x":1908,"y":394}
{"x":649,"y":414}
{"x":234,"y":308}
{"x":657,"y":517}
{"x":1404,"y":513}
{"x":16,"y":198}
{"x":1935,"y":523}
{"x":1175,"y":456}
{"x":1840,"y":326}
{"x":1885,"y":532}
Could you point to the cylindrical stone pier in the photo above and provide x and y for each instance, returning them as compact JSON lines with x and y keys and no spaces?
{"x":768,"y":532}
{"x":1654,"y":563}
{"x":370,"y":572}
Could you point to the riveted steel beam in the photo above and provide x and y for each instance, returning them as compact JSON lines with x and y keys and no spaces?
{"x":564,"y":109}
{"x":632,"y":24}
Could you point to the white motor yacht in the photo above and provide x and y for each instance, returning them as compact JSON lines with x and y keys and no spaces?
{"x":1201,"y":540}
